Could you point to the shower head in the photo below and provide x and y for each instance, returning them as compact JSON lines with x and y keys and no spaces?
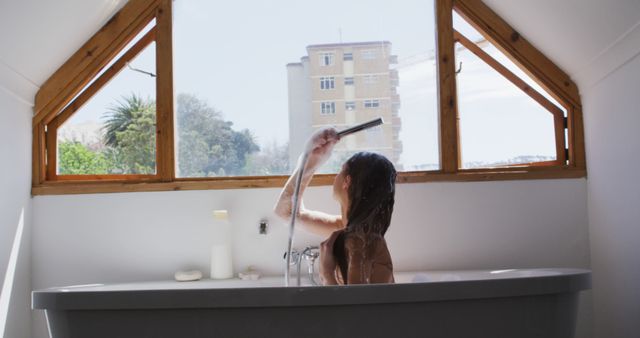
{"x":360,"y":127}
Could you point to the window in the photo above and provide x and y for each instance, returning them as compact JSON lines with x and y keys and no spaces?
{"x":328,"y":108}
{"x":327,"y":83}
{"x":437,"y":127}
{"x":502,"y":116}
{"x":326,"y":59}
{"x":369,"y":54}
{"x":370,"y":79}
{"x":372,"y":103}
{"x":112,"y":131}
{"x":287,"y":105}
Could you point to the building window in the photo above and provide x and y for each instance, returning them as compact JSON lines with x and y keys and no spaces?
{"x":369,"y":54}
{"x":326,"y":59}
{"x":327,"y":83}
{"x":348,"y":57}
{"x":371,"y":103}
{"x":350,"y":105}
{"x":348,"y":81}
{"x":370,"y":79}
{"x":328,"y":108}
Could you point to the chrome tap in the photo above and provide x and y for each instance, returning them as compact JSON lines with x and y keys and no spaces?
{"x":310,"y":254}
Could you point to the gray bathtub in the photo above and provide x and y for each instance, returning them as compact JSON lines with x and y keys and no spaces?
{"x":501,"y":303}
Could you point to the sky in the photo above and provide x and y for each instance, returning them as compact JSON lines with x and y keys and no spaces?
{"x":234,"y":56}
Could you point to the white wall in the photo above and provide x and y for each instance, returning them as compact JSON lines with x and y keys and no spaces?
{"x":15,"y":210}
{"x":147,"y":236}
{"x":612,"y":120}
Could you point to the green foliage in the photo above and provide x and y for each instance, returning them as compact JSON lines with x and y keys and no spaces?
{"x":119,"y":116}
{"x":207,"y":144}
{"x":76,"y":159}
{"x":136,"y":144}
{"x":130,"y":135}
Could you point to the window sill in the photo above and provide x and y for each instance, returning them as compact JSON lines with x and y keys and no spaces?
{"x":470,"y":175}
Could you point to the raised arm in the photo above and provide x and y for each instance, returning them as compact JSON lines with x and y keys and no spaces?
{"x":319,"y":148}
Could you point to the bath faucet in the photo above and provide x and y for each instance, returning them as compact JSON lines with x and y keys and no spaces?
{"x":310,"y":254}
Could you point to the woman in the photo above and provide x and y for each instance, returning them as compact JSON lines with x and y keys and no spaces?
{"x":355,"y":251}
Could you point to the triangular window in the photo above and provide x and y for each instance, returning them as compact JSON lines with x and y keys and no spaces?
{"x":505,"y":117}
{"x":109,"y":129}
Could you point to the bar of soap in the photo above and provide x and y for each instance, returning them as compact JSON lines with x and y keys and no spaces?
{"x":249,"y":275}
{"x":188,"y":276}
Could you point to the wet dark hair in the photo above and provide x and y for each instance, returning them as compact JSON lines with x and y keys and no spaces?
{"x":371,"y":196}
{"x":371,"y":192}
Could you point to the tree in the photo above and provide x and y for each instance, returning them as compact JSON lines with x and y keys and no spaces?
{"x":272,"y":160}
{"x":119,"y":116}
{"x":76,"y":159}
{"x":136,"y":144}
{"x":130,"y":135}
{"x":207,"y":144}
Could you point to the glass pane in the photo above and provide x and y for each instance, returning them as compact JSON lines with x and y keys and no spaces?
{"x":499,"y":123}
{"x":247,"y":98}
{"x":137,"y":38}
{"x":114,"y":132}
{"x":462,"y":26}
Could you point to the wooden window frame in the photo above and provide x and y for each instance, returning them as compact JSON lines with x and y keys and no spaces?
{"x":559,"y":124}
{"x":79,"y":101}
{"x":62,"y":94}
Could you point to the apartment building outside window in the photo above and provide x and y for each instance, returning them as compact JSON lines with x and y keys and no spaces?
{"x":348,"y":81}
{"x":348,"y":57}
{"x":350,"y":105}
{"x":327,"y":83}
{"x":328,"y":108}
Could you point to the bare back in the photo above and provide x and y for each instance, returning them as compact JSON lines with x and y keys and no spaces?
{"x":367,"y":258}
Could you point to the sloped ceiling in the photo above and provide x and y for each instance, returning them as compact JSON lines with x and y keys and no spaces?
{"x":586,"y":38}
{"x":37,"y":37}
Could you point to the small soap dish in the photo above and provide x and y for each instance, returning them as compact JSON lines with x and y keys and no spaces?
{"x":249,"y":274}
{"x":188,"y":276}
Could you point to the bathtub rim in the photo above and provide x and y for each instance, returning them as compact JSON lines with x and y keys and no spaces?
{"x":567,"y":281}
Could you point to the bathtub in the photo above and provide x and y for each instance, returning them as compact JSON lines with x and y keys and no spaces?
{"x":500,"y":303}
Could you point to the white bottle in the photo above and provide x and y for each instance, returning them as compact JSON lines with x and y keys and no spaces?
{"x":221,"y":260}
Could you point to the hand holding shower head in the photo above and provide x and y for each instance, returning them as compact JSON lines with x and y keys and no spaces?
{"x":360,"y":127}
